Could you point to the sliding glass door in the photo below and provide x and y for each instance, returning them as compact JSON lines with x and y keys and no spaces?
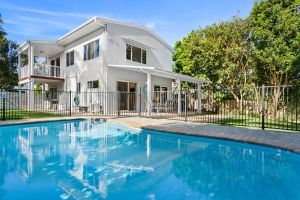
{"x":127,"y":97}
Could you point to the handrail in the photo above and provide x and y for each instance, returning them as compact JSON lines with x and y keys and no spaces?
{"x":41,"y":70}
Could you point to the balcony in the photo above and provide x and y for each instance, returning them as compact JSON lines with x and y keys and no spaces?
{"x":42,"y":71}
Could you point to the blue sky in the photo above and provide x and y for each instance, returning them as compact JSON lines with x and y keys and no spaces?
{"x":171,"y":19}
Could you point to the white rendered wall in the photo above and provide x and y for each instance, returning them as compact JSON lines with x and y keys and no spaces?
{"x":158,"y":55}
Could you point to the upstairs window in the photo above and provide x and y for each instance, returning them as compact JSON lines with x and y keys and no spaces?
{"x":136,"y":54}
{"x":70,"y":58}
{"x":93,"y":84}
{"x":91,"y":50}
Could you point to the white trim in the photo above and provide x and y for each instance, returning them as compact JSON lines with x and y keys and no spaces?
{"x":162,"y":73}
{"x":90,"y":21}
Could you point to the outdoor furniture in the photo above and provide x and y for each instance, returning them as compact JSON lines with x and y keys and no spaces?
{"x":97,"y":108}
{"x":83,"y":109}
{"x":168,"y":106}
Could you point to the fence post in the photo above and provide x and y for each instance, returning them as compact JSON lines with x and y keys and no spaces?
{"x":263,"y":107}
{"x":185,"y":106}
{"x":297,"y":98}
{"x":140,"y":103}
{"x":3,"y":106}
{"x":70,"y":104}
{"x":118,"y":104}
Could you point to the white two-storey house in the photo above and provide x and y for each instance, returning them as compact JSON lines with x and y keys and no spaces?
{"x":101,"y":55}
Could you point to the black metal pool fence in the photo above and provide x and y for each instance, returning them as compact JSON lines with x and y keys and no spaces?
{"x":265,"y":106}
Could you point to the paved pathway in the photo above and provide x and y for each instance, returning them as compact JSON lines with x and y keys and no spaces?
{"x":280,"y":139}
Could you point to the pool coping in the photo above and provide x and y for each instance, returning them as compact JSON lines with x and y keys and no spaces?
{"x":42,"y":120}
{"x":289,"y":141}
{"x":277,"y":139}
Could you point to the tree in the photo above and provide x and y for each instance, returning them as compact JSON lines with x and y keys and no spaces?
{"x":276,"y":40}
{"x":221,"y":52}
{"x":8,"y":61}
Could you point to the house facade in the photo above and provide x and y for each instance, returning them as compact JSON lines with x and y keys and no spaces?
{"x":101,"y":55}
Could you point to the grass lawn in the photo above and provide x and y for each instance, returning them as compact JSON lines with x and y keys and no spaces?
{"x":21,"y":114}
{"x":256,"y":122}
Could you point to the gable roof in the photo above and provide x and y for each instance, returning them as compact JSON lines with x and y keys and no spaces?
{"x":97,"y":22}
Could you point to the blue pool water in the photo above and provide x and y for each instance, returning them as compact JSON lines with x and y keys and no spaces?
{"x":106,"y":160}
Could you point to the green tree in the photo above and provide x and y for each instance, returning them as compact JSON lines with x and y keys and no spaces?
{"x":276,"y":39}
{"x":8,"y":61}
{"x":221,"y":52}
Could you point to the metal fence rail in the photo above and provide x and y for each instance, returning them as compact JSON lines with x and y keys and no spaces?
{"x":265,"y":107}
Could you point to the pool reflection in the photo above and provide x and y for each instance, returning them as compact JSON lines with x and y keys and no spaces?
{"x":104,"y":160}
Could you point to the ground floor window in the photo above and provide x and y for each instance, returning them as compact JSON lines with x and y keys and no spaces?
{"x":160,"y":94}
{"x":93,"y":84}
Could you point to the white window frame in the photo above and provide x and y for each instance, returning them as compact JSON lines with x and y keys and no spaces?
{"x":69,"y":52}
{"x":142,"y":49}
{"x":87,"y":44}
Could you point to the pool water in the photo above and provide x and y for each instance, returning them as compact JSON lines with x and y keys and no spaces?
{"x":106,"y":160}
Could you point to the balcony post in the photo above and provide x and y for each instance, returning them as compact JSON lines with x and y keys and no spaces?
{"x":28,"y":61}
{"x":31,"y":65}
{"x":19,"y":64}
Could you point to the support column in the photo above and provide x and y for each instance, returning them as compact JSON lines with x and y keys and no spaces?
{"x":149,"y":94}
{"x":199,"y":97}
{"x":28,"y":72}
{"x":19,"y":64}
{"x":31,"y":66}
{"x":30,"y":100}
{"x":179,"y":97}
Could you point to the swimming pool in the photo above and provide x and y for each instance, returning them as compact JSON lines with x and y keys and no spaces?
{"x":106,"y":160}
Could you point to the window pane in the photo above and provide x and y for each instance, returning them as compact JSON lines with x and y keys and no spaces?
{"x":144,"y":57}
{"x":72,"y":58}
{"x":128,"y":52}
{"x":156,"y":88}
{"x":89,"y":84}
{"x":67,"y":59}
{"x":91,"y":50}
{"x":57,"y":62}
{"x":97,"y":49}
{"x":95,"y":84}
{"x":136,"y":54}
{"x":78,"y":87}
{"x":85,"y":51}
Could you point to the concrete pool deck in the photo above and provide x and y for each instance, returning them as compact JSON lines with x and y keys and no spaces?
{"x":287,"y":140}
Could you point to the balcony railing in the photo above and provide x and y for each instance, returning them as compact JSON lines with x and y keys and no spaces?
{"x":41,"y":70}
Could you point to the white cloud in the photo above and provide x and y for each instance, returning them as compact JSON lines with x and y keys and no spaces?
{"x":44,"y":12}
{"x":44,"y":21}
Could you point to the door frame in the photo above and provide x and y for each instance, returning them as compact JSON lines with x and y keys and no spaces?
{"x":137,"y":87}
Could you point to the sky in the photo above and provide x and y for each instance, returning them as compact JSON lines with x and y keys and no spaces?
{"x":171,"y":19}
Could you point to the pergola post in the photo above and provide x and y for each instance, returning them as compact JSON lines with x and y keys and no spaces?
{"x":149,"y":94}
{"x":199,"y":97}
{"x":179,"y":96}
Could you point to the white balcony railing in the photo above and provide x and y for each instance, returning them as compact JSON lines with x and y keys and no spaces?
{"x":41,"y":70}
{"x":24,"y":71}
